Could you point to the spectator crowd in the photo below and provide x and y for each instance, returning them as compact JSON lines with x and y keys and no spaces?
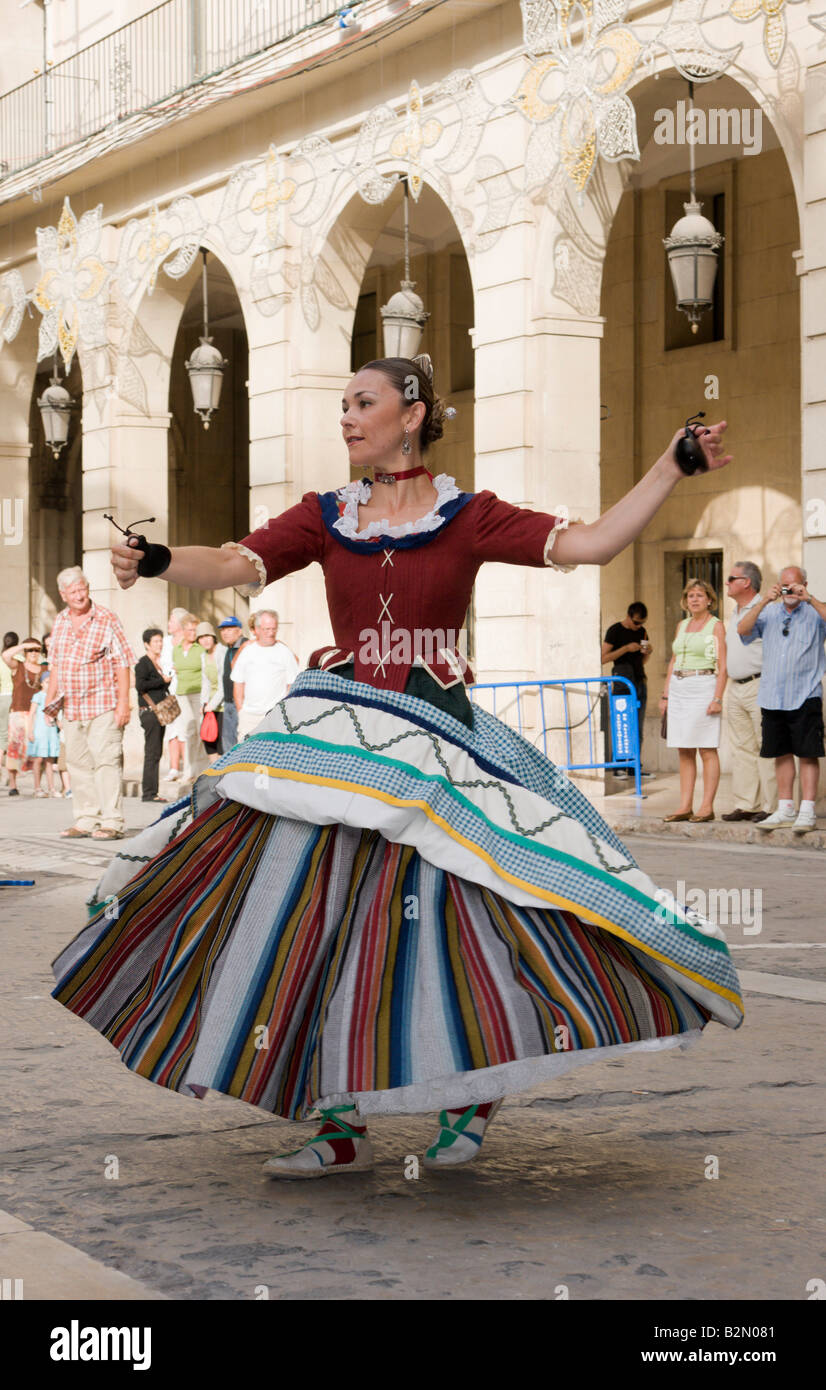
{"x":65,"y":701}
{"x":762,"y":671}
{"x":65,"y":698}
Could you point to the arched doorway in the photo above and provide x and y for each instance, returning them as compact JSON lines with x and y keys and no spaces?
{"x":209,"y":468}
{"x":742,"y":366}
{"x":439,"y":267}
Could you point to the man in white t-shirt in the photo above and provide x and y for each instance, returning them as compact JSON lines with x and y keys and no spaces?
{"x":263,"y":673}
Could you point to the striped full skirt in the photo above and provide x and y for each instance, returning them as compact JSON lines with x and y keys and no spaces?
{"x":367,"y":900}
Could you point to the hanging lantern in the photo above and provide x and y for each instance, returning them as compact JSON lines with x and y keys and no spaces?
{"x":55,"y":406}
{"x":404,"y":315}
{"x":206,"y":366}
{"x":692,"y":259}
{"x":692,"y":248}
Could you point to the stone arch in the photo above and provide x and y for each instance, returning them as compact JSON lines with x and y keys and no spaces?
{"x":342,"y":251}
{"x":208,"y":477}
{"x":749,"y":376}
{"x":660,"y":85}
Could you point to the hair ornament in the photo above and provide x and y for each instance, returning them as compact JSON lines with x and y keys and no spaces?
{"x":423,"y":361}
{"x":450,"y":411}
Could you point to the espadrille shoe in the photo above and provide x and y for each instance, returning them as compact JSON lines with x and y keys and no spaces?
{"x":339,"y":1147}
{"x":460,"y":1135}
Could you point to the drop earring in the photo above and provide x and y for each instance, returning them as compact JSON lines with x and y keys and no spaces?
{"x":406,"y":446}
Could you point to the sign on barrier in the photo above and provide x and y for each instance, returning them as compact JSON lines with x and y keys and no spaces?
{"x":623,"y":715}
{"x":622,"y":703}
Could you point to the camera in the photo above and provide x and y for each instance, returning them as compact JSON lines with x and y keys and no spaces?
{"x":786,"y":590}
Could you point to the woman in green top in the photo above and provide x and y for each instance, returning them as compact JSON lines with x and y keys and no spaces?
{"x":693,"y":697}
{"x":193,"y":693}
{"x":205,"y":633}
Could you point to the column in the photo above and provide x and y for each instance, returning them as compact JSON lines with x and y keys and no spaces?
{"x":537,"y":440}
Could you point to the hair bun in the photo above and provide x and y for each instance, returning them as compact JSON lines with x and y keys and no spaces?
{"x":424,"y":363}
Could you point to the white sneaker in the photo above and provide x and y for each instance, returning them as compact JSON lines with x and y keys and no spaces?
{"x":776,"y":819}
{"x":173,"y":775}
{"x":806,"y":820}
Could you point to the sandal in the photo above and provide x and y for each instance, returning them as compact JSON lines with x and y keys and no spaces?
{"x":460,"y":1138}
{"x":342,"y":1148}
{"x":74,"y":834}
{"x":104,"y":834}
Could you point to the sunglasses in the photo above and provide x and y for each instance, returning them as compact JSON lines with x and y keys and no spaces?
{"x":732,"y":579}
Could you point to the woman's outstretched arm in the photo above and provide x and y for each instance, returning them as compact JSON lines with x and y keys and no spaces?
{"x":597,"y":542}
{"x":197,"y":566}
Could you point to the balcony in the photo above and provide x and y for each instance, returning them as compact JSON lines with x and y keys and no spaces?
{"x":172,"y":49}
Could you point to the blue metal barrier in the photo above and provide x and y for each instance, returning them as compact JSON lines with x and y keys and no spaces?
{"x":624,"y":732}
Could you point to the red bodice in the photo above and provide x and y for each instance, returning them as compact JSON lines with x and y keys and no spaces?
{"x":399,"y":601}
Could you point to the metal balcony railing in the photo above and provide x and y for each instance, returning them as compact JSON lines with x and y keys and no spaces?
{"x":173,"y":47}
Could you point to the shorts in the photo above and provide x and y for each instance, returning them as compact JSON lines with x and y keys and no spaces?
{"x":798,"y":731}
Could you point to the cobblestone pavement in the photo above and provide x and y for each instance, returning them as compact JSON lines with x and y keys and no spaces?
{"x":593,"y":1188}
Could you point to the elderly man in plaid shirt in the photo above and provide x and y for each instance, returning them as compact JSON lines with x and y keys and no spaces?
{"x":91,"y":662}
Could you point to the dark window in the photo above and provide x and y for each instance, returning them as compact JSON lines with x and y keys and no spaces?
{"x":363,"y":345}
{"x":707,"y":565}
{"x":711,"y":327}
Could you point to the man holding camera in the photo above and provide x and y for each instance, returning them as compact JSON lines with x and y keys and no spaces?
{"x":792,"y":625}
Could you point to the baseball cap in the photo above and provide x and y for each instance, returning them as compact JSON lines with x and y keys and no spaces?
{"x":230,"y":622}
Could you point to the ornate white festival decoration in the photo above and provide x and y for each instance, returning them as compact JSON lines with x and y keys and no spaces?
{"x":272,"y":198}
{"x":69,"y":293}
{"x":12,"y":304}
{"x":582,"y":56}
{"x":774,"y":23}
{"x":574,"y":92}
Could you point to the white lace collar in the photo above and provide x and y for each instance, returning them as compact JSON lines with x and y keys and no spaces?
{"x":353,"y":494}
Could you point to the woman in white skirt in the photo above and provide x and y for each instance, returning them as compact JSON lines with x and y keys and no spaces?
{"x":693,"y":697}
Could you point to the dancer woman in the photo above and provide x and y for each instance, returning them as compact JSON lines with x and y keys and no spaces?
{"x":384,"y":900}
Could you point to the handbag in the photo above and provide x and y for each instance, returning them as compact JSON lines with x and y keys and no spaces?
{"x":166,"y":710}
{"x":209,"y":727}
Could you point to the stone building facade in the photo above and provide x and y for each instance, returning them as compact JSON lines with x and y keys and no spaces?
{"x":534,"y":144}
